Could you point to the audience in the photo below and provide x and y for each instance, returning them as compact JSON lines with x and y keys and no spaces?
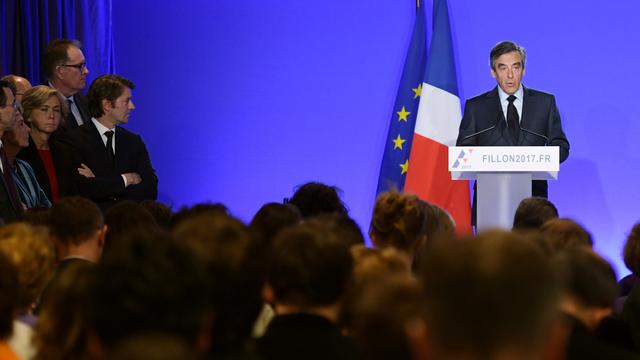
{"x":9,"y":287}
{"x":562,"y":234}
{"x":11,"y":208}
{"x":21,"y":85}
{"x":308,"y":274}
{"x":314,"y":198}
{"x":532,"y":213}
{"x":631,"y":257}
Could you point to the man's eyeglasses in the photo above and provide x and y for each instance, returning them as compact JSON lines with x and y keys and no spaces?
{"x":80,"y":67}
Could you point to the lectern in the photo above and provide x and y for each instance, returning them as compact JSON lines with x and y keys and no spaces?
{"x":504,"y":175}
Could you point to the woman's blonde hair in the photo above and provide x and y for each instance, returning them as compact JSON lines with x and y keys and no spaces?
{"x":35,"y":97}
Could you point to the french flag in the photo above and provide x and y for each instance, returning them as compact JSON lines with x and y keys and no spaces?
{"x":436,"y":128}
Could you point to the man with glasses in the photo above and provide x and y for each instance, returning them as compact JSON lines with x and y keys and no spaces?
{"x":66,"y":69}
{"x":10,"y":205}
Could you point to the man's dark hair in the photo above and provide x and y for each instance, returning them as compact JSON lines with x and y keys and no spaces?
{"x":74,"y":219}
{"x":148,"y":283}
{"x":631,"y":253}
{"x":308,"y":266}
{"x":9,"y":287}
{"x":160,"y":212}
{"x":3,"y":97}
{"x":475,"y":299}
{"x":186,"y":213}
{"x":108,"y":87}
{"x":314,"y":198}
{"x":123,"y":218}
{"x":532,"y":212}
{"x":505,"y":47}
{"x":587,"y":277}
{"x":344,"y":227}
{"x":562,"y":233}
{"x":56,"y":54}
{"x":225,"y":246}
{"x":273,"y":217}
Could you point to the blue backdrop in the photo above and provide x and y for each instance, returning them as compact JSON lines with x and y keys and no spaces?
{"x":240,"y":101}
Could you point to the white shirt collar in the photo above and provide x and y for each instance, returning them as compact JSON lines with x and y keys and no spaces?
{"x":503,"y":95}
{"x":101,"y":128}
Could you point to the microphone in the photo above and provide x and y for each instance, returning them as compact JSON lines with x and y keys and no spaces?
{"x":485,"y":130}
{"x":546,"y":139}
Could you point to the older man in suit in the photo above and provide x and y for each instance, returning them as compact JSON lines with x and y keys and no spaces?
{"x":66,"y":70}
{"x":511,"y":114}
{"x":113,"y":163}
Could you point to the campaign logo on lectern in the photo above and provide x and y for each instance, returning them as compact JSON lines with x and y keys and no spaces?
{"x":459,"y":159}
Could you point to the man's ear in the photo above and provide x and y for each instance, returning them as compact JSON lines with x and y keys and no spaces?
{"x":102,"y":233}
{"x":493,"y":74}
{"x":106,"y":105}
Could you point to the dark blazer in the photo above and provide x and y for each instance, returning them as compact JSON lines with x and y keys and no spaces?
{"x":539,"y":114}
{"x":107,"y":187}
{"x":81,"y":102}
{"x":62,"y":161}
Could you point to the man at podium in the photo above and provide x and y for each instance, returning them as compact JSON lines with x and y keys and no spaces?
{"x":511,"y":114}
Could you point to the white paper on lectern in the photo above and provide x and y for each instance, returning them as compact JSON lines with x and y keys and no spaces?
{"x":543,"y":162}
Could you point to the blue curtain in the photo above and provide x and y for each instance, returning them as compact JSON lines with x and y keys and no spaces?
{"x":27,"y":26}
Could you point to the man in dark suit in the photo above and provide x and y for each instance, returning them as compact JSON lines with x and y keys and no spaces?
{"x":66,"y":70}
{"x":517,"y":116}
{"x":113,"y":163}
{"x":10,"y":204}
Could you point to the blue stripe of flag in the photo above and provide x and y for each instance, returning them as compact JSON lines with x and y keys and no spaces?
{"x":441,"y":68}
{"x":391,"y":176}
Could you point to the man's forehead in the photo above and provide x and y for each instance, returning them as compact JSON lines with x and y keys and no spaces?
{"x":73,"y":52}
{"x":509,"y":58}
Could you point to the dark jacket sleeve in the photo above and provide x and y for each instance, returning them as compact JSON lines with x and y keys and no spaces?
{"x":554,"y":129}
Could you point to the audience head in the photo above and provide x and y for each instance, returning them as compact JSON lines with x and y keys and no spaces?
{"x":109,"y":97}
{"x":76,"y":222}
{"x":476,"y":305}
{"x":29,"y":250}
{"x":147,"y":283}
{"x":152,"y":347}
{"x":561,"y":234}
{"x":384,"y":311}
{"x":314,"y":198}
{"x":273,"y":217}
{"x":42,"y":109}
{"x":122,"y":219}
{"x":186,"y":213}
{"x":61,"y":330}
{"x":344,"y":227}
{"x":9,"y":287}
{"x":533,"y":212}
{"x":225,"y":246}
{"x":632,"y":250}
{"x":17,"y":138}
{"x":8,"y":106}
{"x":589,"y":284}
{"x":65,"y":67}
{"x":160,"y":212}
{"x":21,"y":85}
{"x":399,"y":220}
{"x":308,"y":267}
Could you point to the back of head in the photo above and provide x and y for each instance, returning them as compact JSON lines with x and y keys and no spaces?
{"x":226,"y":247}
{"x":123,"y":218}
{"x":30,"y":251}
{"x":147,"y":283}
{"x":61,"y":330}
{"x":56,"y":54}
{"x":74,"y":220}
{"x":532,"y":212}
{"x":476,"y":303}
{"x":273,"y":217}
{"x":9,"y":287}
{"x":632,"y":250}
{"x":383,"y":312}
{"x":308,"y":267}
{"x":399,"y":220}
{"x":160,"y":212}
{"x":314,"y":198}
{"x":152,"y":347}
{"x":586,"y":277}
{"x":186,"y":213}
{"x":561,"y":234}
{"x":344,"y":227}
